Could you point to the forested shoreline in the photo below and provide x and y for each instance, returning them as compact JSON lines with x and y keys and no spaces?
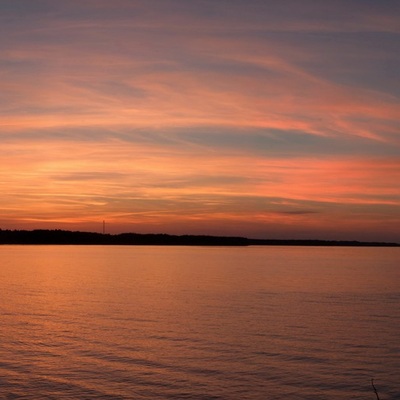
{"x":57,"y":236}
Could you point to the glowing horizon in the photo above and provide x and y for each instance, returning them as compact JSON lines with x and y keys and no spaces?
{"x":246,"y":118}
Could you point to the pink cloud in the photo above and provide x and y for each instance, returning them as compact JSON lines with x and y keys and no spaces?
{"x":96,"y":110}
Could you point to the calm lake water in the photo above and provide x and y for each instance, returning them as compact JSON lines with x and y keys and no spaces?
{"x":93,"y":322}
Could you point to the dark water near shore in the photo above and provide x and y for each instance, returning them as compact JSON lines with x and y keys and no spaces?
{"x":93,"y":322}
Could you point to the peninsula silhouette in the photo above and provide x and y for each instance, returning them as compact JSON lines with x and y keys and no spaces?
{"x":57,"y":236}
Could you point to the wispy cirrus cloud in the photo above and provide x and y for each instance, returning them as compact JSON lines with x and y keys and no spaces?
{"x":201,"y":115}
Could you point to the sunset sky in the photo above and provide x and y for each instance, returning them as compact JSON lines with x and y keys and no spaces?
{"x":258,"y":118}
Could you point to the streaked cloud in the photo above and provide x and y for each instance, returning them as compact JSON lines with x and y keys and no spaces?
{"x":254,"y":118}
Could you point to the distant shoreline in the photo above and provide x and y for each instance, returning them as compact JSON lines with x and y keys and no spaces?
{"x":64,"y":237}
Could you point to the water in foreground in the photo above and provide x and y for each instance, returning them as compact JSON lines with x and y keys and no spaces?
{"x":115,"y":322}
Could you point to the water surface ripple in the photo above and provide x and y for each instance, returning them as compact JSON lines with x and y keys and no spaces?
{"x":115,"y":322}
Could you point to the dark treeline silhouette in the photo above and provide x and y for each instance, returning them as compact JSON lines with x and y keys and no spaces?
{"x":43,"y":236}
{"x":57,"y":236}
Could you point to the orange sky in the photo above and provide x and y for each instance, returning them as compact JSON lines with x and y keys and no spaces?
{"x":233,"y":117}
